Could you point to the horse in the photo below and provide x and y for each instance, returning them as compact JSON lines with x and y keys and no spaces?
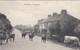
{"x":3,"y":38}
{"x":12,"y":36}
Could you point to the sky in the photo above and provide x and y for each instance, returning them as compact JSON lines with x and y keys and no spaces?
{"x":29,"y":12}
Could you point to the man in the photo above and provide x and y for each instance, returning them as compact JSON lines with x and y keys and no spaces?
{"x":31,"y":35}
{"x":43,"y":38}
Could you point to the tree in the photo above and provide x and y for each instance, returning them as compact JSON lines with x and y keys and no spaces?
{"x":4,"y":23}
{"x":68,"y":24}
{"x":65,"y":25}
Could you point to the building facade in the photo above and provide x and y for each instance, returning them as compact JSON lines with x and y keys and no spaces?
{"x":63,"y":21}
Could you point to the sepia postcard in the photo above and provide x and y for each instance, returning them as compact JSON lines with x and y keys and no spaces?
{"x":39,"y":25}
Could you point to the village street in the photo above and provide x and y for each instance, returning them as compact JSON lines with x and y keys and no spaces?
{"x":25,"y":44}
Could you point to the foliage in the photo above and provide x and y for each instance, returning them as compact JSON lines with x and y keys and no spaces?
{"x":64,"y":26}
{"x":55,"y":28}
{"x":24,"y":28}
{"x":4,"y":23}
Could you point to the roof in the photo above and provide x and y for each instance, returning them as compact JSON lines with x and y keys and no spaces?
{"x":77,"y":28}
{"x":57,"y":17}
{"x":50,"y":19}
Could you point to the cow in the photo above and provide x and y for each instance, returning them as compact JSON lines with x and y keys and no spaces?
{"x":71,"y":40}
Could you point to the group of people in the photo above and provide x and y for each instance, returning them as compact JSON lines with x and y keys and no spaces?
{"x":31,"y":36}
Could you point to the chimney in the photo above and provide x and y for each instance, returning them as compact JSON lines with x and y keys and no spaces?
{"x":63,"y":12}
{"x":40,"y":20}
{"x":55,"y":14}
{"x":49,"y":16}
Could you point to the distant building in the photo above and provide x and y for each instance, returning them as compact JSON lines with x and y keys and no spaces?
{"x":24,"y":28}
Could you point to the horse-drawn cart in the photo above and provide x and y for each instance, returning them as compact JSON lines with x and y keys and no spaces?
{"x":5,"y":36}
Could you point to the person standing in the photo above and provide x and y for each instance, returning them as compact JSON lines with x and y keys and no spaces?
{"x":31,"y":35}
{"x":43,"y":38}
